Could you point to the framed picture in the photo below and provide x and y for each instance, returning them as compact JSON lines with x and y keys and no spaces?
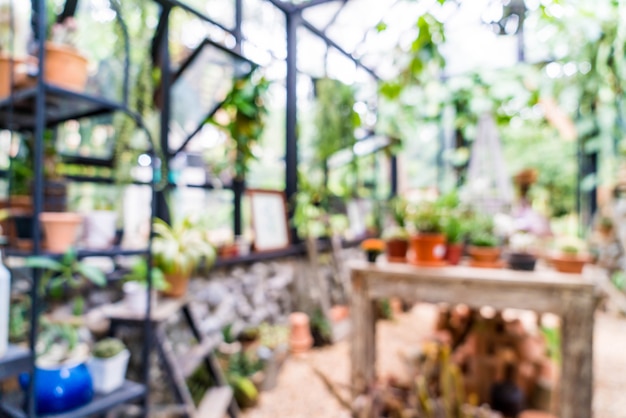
{"x":269,"y":220}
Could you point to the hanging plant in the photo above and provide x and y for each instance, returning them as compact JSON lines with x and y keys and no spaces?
{"x":243,"y":117}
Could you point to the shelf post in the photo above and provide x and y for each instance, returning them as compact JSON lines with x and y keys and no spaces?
{"x":293,"y":21}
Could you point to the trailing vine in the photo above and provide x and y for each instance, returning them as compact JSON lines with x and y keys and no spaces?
{"x":245,"y":113}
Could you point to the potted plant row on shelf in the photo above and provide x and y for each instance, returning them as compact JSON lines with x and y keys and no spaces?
{"x":67,"y":372}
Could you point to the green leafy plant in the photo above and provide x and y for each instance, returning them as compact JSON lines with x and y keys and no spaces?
{"x":428,"y":219}
{"x":481,"y":231}
{"x":67,"y":273}
{"x":335,"y":122}
{"x":180,"y":247}
{"x":107,"y":348}
{"x":245,"y":112}
{"x":398,"y":208}
{"x":569,"y":249}
{"x":483,"y":239}
{"x":139,"y":274}
{"x":320,"y":328}
{"x":59,"y":342}
{"x":453,"y":228}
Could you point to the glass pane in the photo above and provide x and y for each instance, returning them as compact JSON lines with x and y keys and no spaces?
{"x":213,"y":69}
{"x":188,"y":31}
{"x":269,"y":171}
{"x":222,"y":11}
{"x":313,"y":62}
{"x":263,"y":28}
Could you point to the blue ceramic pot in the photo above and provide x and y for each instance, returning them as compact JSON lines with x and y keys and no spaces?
{"x":60,"y":389}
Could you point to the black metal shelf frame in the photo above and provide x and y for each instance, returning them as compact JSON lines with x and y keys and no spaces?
{"x":36,"y":109}
{"x":16,"y":360}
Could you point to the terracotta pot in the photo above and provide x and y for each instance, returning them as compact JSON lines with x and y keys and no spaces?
{"x":484,"y":254}
{"x":178,"y":283}
{"x":428,"y":249}
{"x":65,"y":67}
{"x":396,"y":249}
{"x":19,"y":74}
{"x":535,"y":414}
{"x":300,"y":339}
{"x":60,"y":229}
{"x":569,"y":264}
{"x":454,"y":252}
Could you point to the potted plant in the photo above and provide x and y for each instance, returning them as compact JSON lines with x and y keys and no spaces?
{"x":136,"y":286}
{"x":570,"y":257}
{"x":64,"y":66}
{"x":373,"y":247}
{"x":484,"y":246}
{"x":62,"y":379}
{"x":68,"y":275}
{"x":521,"y":255}
{"x":397,"y":237}
{"x":108,"y":364}
{"x":178,"y":249}
{"x":428,"y":245}
{"x":100,"y":224}
{"x":484,"y":249}
{"x":60,"y":230}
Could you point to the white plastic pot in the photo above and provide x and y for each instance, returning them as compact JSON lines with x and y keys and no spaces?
{"x":108,"y":374}
{"x":99,"y":229}
{"x":136,"y":297}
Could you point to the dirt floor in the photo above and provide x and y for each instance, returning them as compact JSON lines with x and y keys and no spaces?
{"x":316,"y":385}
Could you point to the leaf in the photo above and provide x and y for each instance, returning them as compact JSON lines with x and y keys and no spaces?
{"x":91,"y":273}
{"x":44,"y":263}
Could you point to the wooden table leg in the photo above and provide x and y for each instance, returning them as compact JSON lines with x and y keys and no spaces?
{"x":363,"y":347}
{"x":577,"y":358}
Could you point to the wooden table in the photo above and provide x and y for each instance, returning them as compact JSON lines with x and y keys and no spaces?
{"x":572,"y":297}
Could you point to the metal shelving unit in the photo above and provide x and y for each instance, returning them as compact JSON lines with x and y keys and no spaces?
{"x":36,"y":109}
{"x":16,"y":360}
{"x":129,"y":392}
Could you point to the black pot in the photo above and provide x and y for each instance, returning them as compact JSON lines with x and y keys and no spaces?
{"x":23,"y":226}
{"x":522,"y":261}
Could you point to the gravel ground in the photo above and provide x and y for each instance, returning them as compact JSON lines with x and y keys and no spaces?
{"x":303,"y":385}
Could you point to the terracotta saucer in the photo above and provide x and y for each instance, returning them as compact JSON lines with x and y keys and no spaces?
{"x":437,"y":263}
{"x":488,"y":264}
{"x":396,"y":259}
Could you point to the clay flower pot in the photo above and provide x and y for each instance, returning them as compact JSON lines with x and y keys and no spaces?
{"x":65,"y":67}
{"x":428,"y":250}
{"x":300,"y":339}
{"x":19,"y":74}
{"x":487,"y":257}
{"x":454,"y":252}
{"x":178,"y":282}
{"x":60,"y":229}
{"x":572,"y":264}
{"x":396,"y":249}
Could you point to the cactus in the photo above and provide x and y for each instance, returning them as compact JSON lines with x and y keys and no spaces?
{"x":107,"y":348}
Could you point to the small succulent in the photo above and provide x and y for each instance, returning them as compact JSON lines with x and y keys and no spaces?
{"x":107,"y":348}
